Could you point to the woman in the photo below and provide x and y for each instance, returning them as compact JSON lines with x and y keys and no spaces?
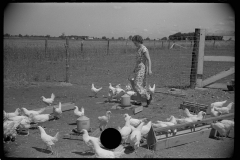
{"x":142,"y":69}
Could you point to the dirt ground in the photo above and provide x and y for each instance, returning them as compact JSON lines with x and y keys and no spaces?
{"x":162,"y":107}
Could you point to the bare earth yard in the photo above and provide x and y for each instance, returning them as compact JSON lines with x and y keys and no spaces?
{"x":162,"y":107}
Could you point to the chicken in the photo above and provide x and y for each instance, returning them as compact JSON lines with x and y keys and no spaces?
{"x":10,"y":129}
{"x":134,"y":122}
{"x":172,"y":119}
{"x":57,"y":111}
{"x":126,"y":130}
{"x":78,"y":113}
{"x":214,"y":113}
{"x":27,"y":112}
{"x":86,"y":139}
{"x":146,"y":128}
{"x":225,"y":110}
{"x":160,"y":125}
{"x":187,"y":113}
{"x":25,"y":124}
{"x":130,"y":93}
{"x":103,"y":120}
{"x":95,"y":90}
{"x":112,"y":89}
{"x":12,"y":114}
{"x":199,"y":117}
{"x":152,"y":89}
{"x":223,"y":127}
{"x":48,"y":101}
{"x":47,"y":139}
{"x":39,"y":118}
{"x":103,"y":153}
{"x":218,"y":104}
{"x":118,"y":86}
{"x":136,"y":136}
{"x":169,"y":124}
{"x":17,"y":118}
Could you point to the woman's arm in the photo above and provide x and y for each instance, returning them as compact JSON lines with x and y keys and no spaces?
{"x":149,"y":63}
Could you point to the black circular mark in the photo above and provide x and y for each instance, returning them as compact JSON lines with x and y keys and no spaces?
{"x":111,"y":138}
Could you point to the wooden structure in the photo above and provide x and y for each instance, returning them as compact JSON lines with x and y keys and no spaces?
{"x":194,"y":107}
{"x":198,"y":59}
{"x":185,"y":135}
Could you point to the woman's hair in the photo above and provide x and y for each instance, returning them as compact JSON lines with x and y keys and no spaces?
{"x":138,"y":39}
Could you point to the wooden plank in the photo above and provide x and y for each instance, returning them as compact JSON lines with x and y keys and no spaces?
{"x":182,"y":139}
{"x":219,"y":58}
{"x":137,"y":109}
{"x":200,"y":57}
{"x":218,"y":86}
{"x":65,"y":107}
{"x":218,"y":76}
{"x":206,"y":121}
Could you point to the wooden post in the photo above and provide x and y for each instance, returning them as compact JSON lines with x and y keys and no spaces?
{"x":108,"y":47}
{"x":82,"y":49}
{"x":154,"y":45}
{"x":67,"y":60}
{"x":46,"y":46}
{"x":200,"y":58}
{"x":193,"y":75}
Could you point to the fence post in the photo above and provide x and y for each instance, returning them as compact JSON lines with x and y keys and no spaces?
{"x":67,"y":60}
{"x":82,"y":49}
{"x":200,"y":58}
{"x":108,"y":47}
{"x":193,"y":75}
{"x":46,"y":46}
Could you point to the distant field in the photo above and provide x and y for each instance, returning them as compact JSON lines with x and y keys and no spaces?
{"x":26,"y":61}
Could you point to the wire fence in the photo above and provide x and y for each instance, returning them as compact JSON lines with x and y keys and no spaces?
{"x":103,"y":61}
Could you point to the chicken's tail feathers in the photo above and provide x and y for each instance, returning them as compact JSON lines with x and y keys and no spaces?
{"x":56,"y":137}
{"x":52,"y":96}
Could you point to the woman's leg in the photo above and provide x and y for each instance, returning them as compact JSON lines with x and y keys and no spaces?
{"x":140,"y":82}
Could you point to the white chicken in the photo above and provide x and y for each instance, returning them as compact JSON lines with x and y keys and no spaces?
{"x":39,"y":118}
{"x":146,"y":128}
{"x":136,"y":136}
{"x":17,"y":118}
{"x":134,"y":122}
{"x":223,"y":127}
{"x":48,"y":101}
{"x":47,"y":139}
{"x":57,"y":111}
{"x":174,"y":132}
{"x":103,"y":120}
{"x":103,"y":153}
{"x":27,"y":112}
{"x":10,"y":128}
{"x":131,"y":93}
{"x":113,"y":89}
{"x":118,"y":86}
{"x":78,"y":113}
{"x":25,"y":124}
{"x":12,"y":114}
{"x":95,"y":90}
{"x":225,"y":110}
{"x":199,"y":116}
{"x":218,"y":104}
{"x":126,"y":130}
{"x":86,"y":139}
{"x":152,"y":89}
{"x":214,"y":113}
{"x":172,"y":119}
{"x":160,"y":125}
{"x":187,"y":113}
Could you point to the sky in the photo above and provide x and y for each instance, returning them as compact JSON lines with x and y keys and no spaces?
{"x":153,"y":20}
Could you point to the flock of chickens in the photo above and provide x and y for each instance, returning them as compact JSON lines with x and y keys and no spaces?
{"x":132,"y":132}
